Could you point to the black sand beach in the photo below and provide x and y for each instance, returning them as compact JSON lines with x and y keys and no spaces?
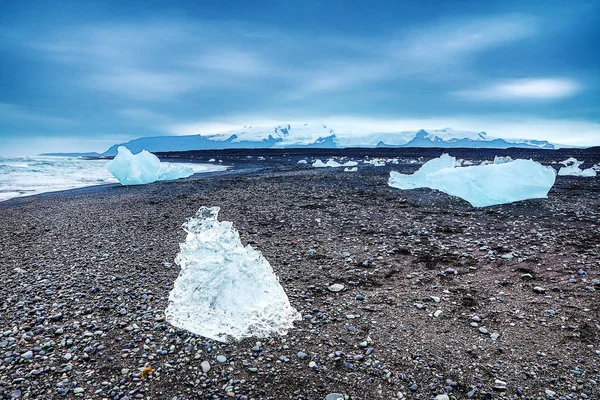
{"x":86,"y":276}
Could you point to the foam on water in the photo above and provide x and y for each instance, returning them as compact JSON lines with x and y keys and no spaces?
{"x":25,"y":176}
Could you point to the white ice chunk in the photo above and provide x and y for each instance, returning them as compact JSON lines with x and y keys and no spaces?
{"x":571,"y":168}
{"x":302,"y":162}
{"x":144,"y":167}
{"x":482,"y":185}
{"x":225,"y":290}
{"x":333,"y":164}
{"x":376,"y":162}
{"x":570,"y":161}
{"x":351,"y":169}
{"x":502,"y":160}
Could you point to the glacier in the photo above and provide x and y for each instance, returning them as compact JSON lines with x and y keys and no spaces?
{"x":481,"y":185}
{"x":314,"y":135}
{"x":143,"y":168}
{"x":571,"y":168}
{"x":225,"y":290}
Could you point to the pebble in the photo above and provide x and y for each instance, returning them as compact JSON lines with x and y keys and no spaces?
{"x":442,"y":397}
{"x":334,"y":396}
{"x":437,"y":314}
{"x":221,"y":359}
{"x":205,"y":366}
{"x":539,"y":289}
{"x":28,"y":355}
{"x":301,"y":355}
{"x":336,"y":287}
{"x":483,"y":330}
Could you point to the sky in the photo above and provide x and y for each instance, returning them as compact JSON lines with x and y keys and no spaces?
{"x":81,"y":76}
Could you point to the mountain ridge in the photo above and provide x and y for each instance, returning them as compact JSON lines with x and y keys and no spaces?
{"x":322,"y":136}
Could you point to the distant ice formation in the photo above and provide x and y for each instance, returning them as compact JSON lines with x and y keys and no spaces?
{"x":333,"y":164}
{"x":482,"y":185}
{"x":353,"y":169}
{"x":225,"y":290}
{"x":502,"y":160}
{"x":144,"y":167}
{"x":571,"y":168}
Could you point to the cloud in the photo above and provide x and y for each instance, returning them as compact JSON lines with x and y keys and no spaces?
{"x":10,"y":112}
{"x":163,"y":60}
{"x":524,"y":89}
{"x":424,"y":53}
{"x":459,"y":37}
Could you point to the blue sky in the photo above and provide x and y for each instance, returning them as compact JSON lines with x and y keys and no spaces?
{"x":77,"y":76}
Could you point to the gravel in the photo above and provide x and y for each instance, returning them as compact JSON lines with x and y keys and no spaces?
{"x":86,"y":282}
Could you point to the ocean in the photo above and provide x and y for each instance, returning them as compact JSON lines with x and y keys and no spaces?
{"x":26,"y":176}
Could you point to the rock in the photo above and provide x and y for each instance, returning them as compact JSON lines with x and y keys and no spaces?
{"x":483,"y":330}
{"x":302,"y":355}
{"x":336,"y":287}
{"x":28,"y":355}
{"x":221,"y":359}
{"x":78,"y":390}
{"x":15,"y":394}
{"x":437,"y":314}
{"x":494,"y":336}
{"x":442,"y":397}
{"x":334,"y":396}
{"x":539,"y":289}
{"x":205,"y":365}
{"x":312,"y":365}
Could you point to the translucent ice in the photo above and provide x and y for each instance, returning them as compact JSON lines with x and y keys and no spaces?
{"x":144,"y":167}
{"x":571,"y":168}
{"x":482,"y":185}
{"x":502,"y":160}
{"x":225,"y":290}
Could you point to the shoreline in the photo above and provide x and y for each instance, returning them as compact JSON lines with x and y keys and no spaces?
{"x":88,"y":273}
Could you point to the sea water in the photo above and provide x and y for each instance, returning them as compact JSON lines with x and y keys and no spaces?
{"x":25,"y":176}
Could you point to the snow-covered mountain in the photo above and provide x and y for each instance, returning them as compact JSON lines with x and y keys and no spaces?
{"x":323,"y":136}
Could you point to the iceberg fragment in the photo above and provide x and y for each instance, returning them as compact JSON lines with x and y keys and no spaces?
{"x":144,"y":167}
{"x":333,"y":164}
{"x":225,"y":290}
{"x":482,"y":185}
{"x":502,"y":160}
{"x":571,"y":168}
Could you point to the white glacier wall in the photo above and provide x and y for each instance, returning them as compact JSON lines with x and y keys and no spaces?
{"x":482,"y":185}
{"x":572,"y":168}
{"x":225,"y":290}
{"x":144,"y":167}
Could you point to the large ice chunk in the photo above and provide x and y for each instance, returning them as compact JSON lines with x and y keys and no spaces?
{"x":571,"y":168}
{"x":144,"y":167}
{"x":225,"y":290}
{"x":482,"y":185}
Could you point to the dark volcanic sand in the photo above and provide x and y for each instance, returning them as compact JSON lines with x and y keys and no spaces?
{"x":85,"y":287}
